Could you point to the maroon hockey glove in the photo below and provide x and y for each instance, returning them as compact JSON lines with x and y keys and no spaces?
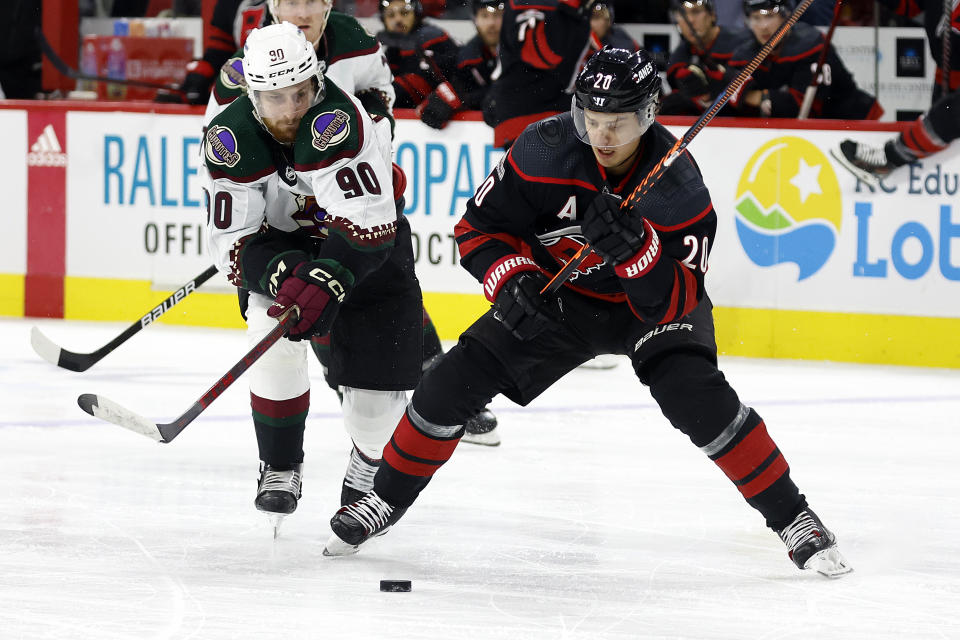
{"x":614,"y":234}
{"x":513,"y":284}
{"x":439,"y":107}
{"x":317,"y":288}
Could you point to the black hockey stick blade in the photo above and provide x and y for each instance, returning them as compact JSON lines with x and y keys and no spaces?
{"x":61,"y":66}
{"x":641,"y":189}
{"x":79,"y":362}
{"x":110,"y":411}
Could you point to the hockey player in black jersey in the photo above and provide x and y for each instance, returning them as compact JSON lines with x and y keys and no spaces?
{"x":421,"y":55}
{"x":940,"y":125}
{"x":697,"y":65}
{"x":643,"y":296}
{"x":777,"y":87}
{"x":476,"y":61}
{"x":543,"y":44}
{"x":604,"y":33}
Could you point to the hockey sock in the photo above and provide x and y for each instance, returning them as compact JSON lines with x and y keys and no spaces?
{"x":919,"y":141}
{"x":747,"y":454}
{"x":280,"y":425}
{"x":416,"y":451}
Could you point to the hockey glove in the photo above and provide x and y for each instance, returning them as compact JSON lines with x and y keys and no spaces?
{"x":692,"y":81}
{"x":439,"y":107}
{"x":578,"y":8}
{"x":317,"y":288}
{"x":513,"y":284}
{"x":615,"y":235}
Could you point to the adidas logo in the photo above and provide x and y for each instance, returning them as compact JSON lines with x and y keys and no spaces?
{"x":46,"y":151}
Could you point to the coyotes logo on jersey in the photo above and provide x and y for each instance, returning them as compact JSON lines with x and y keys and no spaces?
{"x":310,"y":216}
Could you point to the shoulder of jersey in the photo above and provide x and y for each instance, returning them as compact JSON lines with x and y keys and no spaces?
{"x":683,"y":178}
{"x":803,"y":39}
{"x":230,"y":83}
{"x":428,"y":32}
{"x":234,"y":145}
{"x":347,"y":37}
{"x":547,"y":149}
{"x":330,"y":131}
{"x":471,"y":50}
{"x":729,"y":39}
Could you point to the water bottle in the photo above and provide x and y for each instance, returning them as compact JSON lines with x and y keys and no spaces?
{"x":117,"y":69}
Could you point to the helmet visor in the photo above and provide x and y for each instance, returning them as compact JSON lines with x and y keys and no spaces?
{"x":608,"y":129}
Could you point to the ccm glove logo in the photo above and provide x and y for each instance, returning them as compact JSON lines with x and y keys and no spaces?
{"x":324,"y":278}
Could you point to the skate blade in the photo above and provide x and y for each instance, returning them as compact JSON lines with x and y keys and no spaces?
{"x":829,"y":562}
{"x":276,"y":519}
{"x":867,"y":178}
{"x":488,"y":439}
{"x":336,"y":547}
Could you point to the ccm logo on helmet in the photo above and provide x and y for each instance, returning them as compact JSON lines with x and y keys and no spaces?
{"x":280,"y":73}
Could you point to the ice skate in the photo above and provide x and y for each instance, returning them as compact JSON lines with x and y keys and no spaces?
{"x":482,"y":429}
{"x":358,"y":480}
{"x":812,"y":546}
{"x":355,"y":523}
{"x":868,"y":164}
{"x":277,"y":493}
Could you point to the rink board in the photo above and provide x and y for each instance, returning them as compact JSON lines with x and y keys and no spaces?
{"x":807,"y":264}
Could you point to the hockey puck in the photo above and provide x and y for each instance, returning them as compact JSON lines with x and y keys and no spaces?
{"x":395,"y":585}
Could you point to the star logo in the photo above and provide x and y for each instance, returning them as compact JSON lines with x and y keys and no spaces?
{"x":807,"y":180}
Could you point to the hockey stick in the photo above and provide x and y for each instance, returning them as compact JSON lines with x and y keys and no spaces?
{"x":641,"y":189}
{"x":59,"y":356}
{"x":811,"y":91}
{"x":70,"y":72}
{"x":945,"y":43}
{"x":106,"y":409}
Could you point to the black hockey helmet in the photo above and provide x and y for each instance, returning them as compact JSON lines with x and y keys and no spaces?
{"x":601,"y":5}
{"x":416,"y":5}
{"x":783,"y":7}
{"x":616,"y":81}
{"x":490,"y":5}
{"x":677,"y":5}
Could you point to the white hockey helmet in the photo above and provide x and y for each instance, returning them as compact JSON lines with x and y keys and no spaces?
{"x":278,"y":56}
{"x":321,"y":7}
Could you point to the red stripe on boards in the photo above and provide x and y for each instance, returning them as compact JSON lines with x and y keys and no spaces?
{"x":46,"y":155}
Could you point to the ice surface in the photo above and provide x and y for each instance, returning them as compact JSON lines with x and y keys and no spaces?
{"x":593,"y":519}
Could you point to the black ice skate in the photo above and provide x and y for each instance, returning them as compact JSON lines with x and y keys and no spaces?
{"x":812,"y":546}
{"x":482,"y":429}
{"x":866,"y":163}
{"x":354,"y":524}
{"x":358,"y":480}
{"x":278,"y":492}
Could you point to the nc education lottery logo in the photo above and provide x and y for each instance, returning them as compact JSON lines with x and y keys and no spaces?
{"x":221,"y":147}
{"x":788,"y":206}
{"x":330,"y":128}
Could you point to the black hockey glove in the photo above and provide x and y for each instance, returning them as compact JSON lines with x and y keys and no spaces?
{"x":317,"y":288}
{"x":513,"y":284}
{"x":693,"y":81}
{"x":578,"y":8}
{"x":439,"y":106}
{"x":613,"y":234}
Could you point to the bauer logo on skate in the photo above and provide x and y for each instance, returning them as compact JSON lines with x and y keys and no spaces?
{"x":221,"y":146}
{"x":788,"y":206}
{"x":330,"y":128}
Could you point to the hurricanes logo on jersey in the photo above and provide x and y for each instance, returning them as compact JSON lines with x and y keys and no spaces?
{"x":330,"y":128}
{"x":221,"y":147}
{"x":788,"y":206}
{"x":564,"y":247}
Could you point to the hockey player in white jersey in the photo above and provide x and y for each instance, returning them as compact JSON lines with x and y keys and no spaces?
{"x":343,"y":257}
